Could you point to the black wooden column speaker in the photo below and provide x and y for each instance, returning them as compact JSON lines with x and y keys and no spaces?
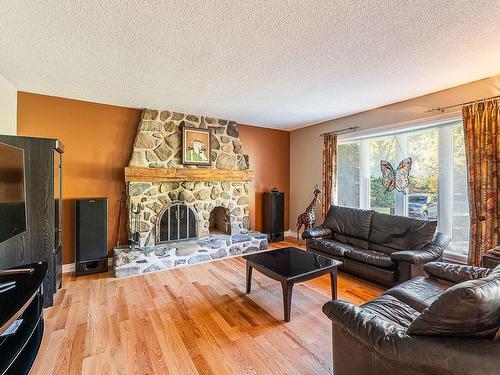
{"x":91,"y":236}
{"x":273,"y":210}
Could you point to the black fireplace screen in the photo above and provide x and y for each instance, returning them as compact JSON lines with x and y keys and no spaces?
{"x":178,"y":222}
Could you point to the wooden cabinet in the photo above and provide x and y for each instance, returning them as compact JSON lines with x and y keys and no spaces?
{"x":42,"y":240}
{"x":21,"y":319}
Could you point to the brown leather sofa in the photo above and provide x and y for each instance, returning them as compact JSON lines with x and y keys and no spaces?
{"x":387,"y":249}
{"x":446,"y":323}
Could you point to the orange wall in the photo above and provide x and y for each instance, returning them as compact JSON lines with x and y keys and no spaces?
{"x":98,"y":141}
{"x":269,"y":153}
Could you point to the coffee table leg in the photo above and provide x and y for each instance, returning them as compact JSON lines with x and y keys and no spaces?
{"x":333,"y":282}
{"x":249,"y":277}
{"x":287,"y":299}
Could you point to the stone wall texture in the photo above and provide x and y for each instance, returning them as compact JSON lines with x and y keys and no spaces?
{"x":158,"y":143}
{"x":201,"y":196}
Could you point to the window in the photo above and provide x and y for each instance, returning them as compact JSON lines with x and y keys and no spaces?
{"x":380,"y":200}
{"x":438,"y":183}
{"x":348,"y":174}
{"x":461,"y":222}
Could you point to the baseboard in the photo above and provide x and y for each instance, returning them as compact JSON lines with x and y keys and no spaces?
{"x":70,"y":267}
{"x":290,"y":233}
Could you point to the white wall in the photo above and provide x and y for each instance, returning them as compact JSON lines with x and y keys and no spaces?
{"x":8,"y":107}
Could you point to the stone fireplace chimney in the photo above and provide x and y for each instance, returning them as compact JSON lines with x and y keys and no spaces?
{"x":158,"y":182}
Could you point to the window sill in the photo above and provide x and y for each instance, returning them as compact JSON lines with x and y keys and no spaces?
{"x":455,"y":258}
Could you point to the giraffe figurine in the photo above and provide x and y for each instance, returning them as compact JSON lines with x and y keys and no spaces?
{"x":308,"y":217}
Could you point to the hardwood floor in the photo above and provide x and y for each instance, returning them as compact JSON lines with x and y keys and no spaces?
{"x":195,"y":320}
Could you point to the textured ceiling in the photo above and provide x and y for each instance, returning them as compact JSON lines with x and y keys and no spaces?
{"x":281,"y":64}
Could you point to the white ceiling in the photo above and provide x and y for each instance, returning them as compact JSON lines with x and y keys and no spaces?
{"x":280,"y":64}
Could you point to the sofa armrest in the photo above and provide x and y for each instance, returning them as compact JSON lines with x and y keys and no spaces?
{"x":430,"y":252}
{"x":365,"y":327}
{"x":455,"y":273}
{"x":317,"y":232}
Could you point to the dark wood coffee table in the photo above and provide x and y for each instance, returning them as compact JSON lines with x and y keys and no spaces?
{"x":290,"y":266}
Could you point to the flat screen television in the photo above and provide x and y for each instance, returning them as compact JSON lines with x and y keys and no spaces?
{"x":12,"y":192}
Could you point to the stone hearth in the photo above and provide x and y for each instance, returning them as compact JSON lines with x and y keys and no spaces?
{"x":184,"y":253}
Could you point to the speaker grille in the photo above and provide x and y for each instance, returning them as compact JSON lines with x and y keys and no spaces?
{"x":273,"y":210}
{"x":91,"y":229}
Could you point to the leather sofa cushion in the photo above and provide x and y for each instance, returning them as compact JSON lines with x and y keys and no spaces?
{"x":471,"y":309}
{"x":419,"y":292}
{"x":401,"y":233}
{"x":363,"y":244}
{"x":381,"y":275}
{"x":392,"y":310}
{"x":329,"y":247}
{"x":348,"y":221}
{"x":374,"y":258}
{"x":381,"y":248}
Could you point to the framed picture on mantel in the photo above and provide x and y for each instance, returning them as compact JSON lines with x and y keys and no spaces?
{"x":196,"y":148}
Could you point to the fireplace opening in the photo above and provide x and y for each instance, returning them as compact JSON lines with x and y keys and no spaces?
{"x":177,"y":222}
{"x":220,"y":221}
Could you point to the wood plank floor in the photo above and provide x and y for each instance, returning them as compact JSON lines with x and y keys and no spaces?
{"x":195,"y":320}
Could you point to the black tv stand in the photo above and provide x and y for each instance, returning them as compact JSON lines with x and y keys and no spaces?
{"x":21,"y":306}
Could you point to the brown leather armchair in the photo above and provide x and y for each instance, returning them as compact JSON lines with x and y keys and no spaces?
{"x":445,"y":323}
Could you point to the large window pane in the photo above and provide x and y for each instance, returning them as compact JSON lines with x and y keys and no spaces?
{"x":423,"y":191}
{"x":348,"y":174}
{"x":461,"y":222}
{"x":380,"y":200}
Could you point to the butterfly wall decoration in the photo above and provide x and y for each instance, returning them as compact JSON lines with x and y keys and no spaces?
{"x":398,"y":179}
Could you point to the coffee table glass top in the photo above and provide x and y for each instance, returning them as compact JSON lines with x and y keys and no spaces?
{"x":290,"y":261}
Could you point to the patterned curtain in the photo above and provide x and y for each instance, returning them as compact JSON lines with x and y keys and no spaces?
{"x":482,"y":149}
{"x":329,"y":170}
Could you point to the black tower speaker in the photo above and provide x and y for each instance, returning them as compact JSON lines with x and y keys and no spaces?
{"x":273,"y":210}
{"x":91,"y":237}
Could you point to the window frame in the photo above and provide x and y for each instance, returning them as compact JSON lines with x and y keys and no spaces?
{"x":445,"y":149}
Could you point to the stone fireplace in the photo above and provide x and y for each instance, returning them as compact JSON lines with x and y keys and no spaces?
{"x":193,"y":203}
{"x":186,"y":214}
{"x":177,"y":201}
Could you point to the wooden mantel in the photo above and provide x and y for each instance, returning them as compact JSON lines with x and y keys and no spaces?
{"x":139,"y":174}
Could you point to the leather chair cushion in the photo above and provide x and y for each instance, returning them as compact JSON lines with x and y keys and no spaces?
{"x":470,"y":309}
{"x":375,"y":258}
{"x":363,"y":244}
{"x":401,"y":233}
{"x":347,"y":221}
{"x":329,"y":247}
{"x":419,"y":292}
{"x":391,"y":309}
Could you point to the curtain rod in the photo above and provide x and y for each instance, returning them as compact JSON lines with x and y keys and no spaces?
{"x":347,"y":130}
{"x":442,"y":109}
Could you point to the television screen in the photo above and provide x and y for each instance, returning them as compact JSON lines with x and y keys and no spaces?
{"x":12,"y":192}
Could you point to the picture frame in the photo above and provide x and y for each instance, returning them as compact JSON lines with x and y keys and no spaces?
{"x":196,"y":146}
